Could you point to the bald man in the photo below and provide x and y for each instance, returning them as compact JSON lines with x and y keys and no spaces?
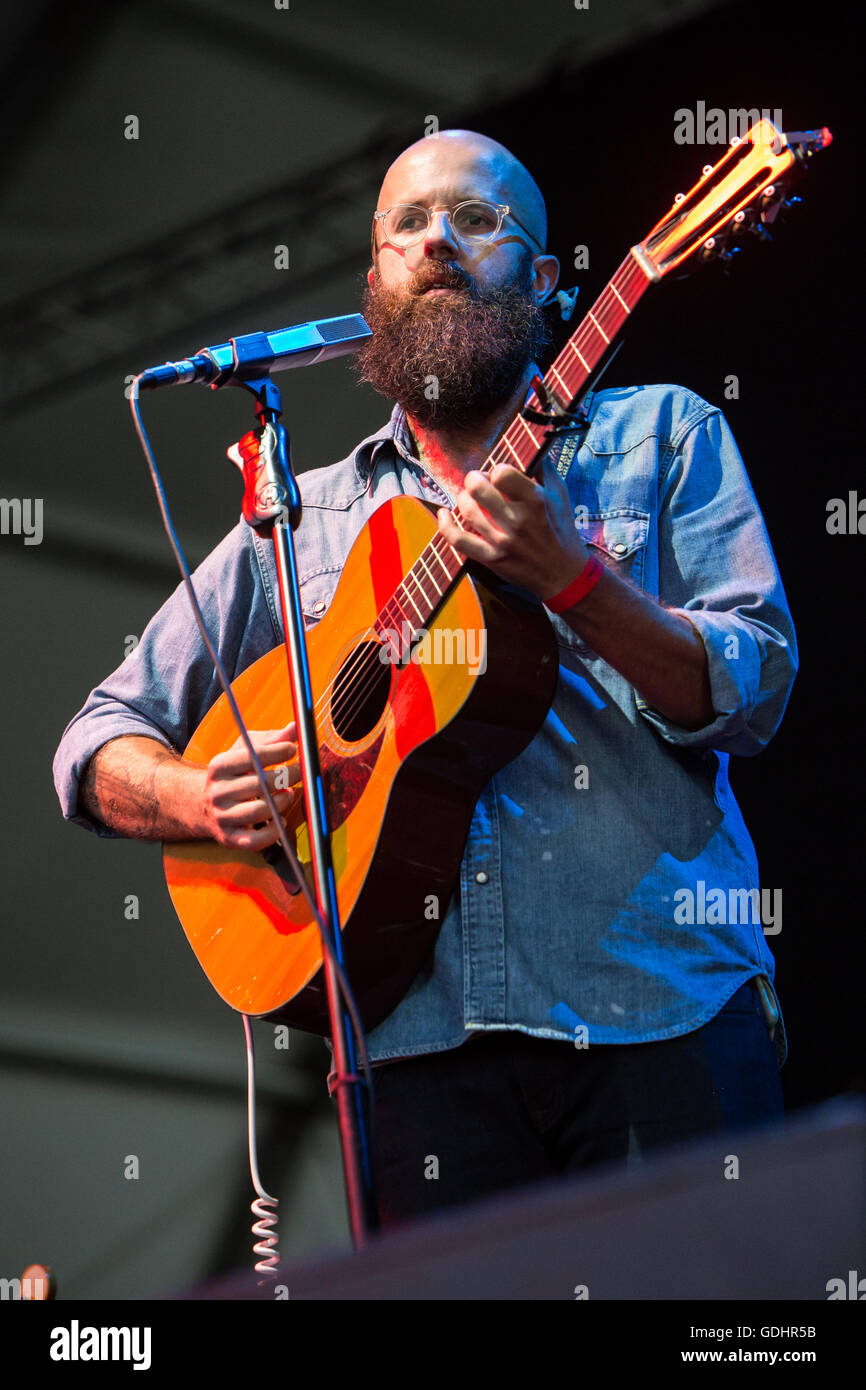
{"x":600,"y":986}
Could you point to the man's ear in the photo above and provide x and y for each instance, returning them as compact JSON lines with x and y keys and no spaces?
{"x":545,"y":276}
{"x":371,"y":277}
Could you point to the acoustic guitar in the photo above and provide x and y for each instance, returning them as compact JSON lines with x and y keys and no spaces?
{"x":407,"y":745}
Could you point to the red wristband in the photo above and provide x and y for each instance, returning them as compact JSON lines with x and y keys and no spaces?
{"x":578,"y":588}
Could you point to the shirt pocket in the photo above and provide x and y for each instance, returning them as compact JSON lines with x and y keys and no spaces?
{"x":618,"y":537}
{"x":317,"y":590}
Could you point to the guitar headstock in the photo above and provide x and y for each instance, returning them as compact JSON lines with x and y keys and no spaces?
{"x":744,"y":191}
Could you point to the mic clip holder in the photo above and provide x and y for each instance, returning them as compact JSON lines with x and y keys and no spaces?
{"x":251,"y":355}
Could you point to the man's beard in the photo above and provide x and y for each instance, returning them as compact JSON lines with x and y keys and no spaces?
{"x":451,"y":359}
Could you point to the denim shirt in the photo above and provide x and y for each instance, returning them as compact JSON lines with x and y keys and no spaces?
{"x":571,"y":915}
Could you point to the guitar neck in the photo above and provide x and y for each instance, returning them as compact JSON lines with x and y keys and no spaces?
{"x":439,"y":565}
{"x":566,"y":380}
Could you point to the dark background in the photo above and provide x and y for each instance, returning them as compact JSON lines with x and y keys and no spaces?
{"x":259,"y":128}
{"x":782,"y":320}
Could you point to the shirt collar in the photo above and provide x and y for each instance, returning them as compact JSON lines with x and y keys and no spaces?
{"x":396,"y":433}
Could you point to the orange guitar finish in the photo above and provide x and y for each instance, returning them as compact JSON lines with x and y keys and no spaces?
{"x":402,"y":773}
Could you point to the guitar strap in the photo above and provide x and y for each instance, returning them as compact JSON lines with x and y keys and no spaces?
{"x":565,"y":456}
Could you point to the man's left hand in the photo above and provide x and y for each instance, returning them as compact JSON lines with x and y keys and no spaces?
{"x":524,"y":532}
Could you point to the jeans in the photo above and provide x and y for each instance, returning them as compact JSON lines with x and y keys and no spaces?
{"x":505,"y":1108}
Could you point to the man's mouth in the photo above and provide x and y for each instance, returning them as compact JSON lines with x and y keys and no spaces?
{"x":443,"y":284}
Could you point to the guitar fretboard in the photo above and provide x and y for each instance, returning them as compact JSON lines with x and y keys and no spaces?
{"x":413,"y":603}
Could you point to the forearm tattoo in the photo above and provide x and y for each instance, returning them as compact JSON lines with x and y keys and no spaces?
{"x":127,"y":800}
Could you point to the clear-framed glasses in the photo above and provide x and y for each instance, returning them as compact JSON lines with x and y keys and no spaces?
{"x":473,"y":221}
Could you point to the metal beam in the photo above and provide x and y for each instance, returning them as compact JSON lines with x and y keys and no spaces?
{"x":95,"y":321}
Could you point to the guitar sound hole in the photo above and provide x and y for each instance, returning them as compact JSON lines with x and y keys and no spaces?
{"x":360,"y":692}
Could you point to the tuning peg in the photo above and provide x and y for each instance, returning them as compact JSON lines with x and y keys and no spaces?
{"x":759,"y":230}
{"x":726,"y":257}
{"x":781,"y":209}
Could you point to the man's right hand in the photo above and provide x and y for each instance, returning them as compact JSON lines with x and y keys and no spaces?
{"x":141,"y":789}
{"x":235,"y":811}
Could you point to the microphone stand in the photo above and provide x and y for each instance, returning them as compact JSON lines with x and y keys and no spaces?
{"x":272,"y":506}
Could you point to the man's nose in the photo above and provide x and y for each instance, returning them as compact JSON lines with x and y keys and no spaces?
{"x":439,"y":239}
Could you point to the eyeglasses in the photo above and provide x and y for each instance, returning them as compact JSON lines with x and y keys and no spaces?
{"x":474,"y":221}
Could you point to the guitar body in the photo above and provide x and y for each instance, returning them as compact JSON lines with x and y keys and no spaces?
{"x":405,"y":750}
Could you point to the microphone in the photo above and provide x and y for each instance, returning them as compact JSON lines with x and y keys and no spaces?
{"x":257,"y":354}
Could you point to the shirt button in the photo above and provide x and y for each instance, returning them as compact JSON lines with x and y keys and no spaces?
{"x":319,"y":607}
{"x":482,"y":877}
{"x":620,"y":548}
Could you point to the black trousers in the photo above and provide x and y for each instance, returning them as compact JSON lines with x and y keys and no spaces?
{"x":505,"y":1108}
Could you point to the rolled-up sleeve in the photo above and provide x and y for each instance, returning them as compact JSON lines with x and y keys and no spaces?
{"x":164,"y":688}
{"x":716,"y":566}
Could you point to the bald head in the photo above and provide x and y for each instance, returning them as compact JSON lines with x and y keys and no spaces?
{"x":453,"y":165}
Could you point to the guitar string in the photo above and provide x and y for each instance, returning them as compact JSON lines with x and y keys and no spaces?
{"x":420,"y":587}
{"x":358,"y":679}
{"x":366,"y":657}
{"x":367,"y":654}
